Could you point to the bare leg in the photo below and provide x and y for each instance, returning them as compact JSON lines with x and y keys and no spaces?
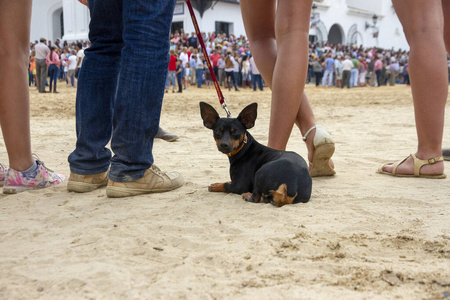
{"x":279,"y":39}
{"x":446,"y":10}
{"x":14,"y":94}
{"x":423,"y":24}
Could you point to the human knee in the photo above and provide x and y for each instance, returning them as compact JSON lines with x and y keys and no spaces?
{"x":286,"y":27}
{"x":14,"y":56}
{"x":420,"y":31}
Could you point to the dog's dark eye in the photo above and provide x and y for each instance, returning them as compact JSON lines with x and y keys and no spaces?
{"x":218,"y":131}
{"x":236,"y":133}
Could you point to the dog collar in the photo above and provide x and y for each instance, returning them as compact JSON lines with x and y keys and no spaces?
{"x":244,"y":141}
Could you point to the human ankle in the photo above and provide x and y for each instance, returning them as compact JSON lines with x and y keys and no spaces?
{"x":427,"y":154}
{"x":22,"y":166}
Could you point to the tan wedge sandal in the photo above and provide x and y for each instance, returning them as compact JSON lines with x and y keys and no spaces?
{"x":418,"y":164}
{"x":323,"y":150}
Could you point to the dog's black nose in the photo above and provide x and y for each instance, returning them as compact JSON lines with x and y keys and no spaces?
{"x":225,"y":147}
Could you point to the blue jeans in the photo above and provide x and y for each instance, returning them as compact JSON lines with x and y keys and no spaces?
{"x":53,"y":74}
{"x":378,"y":73}
{"x":354,"y":77}
{"x":115,"y":100}
{"x":257,"y":79}
{"x":170,"y":74}
{"x":199,"y":73}
{"x":30,"y":78}
{"x":61,"y":72}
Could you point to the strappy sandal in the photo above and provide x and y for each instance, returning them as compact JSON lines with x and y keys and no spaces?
{"x":418,"y":164}
{"x":323,"y":150}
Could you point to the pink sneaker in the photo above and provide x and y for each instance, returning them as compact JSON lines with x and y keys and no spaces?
{"x":16,"y":182}
{"x":3,"y":170}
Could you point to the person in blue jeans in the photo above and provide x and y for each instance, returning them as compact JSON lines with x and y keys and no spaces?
{"x":179,"y":73}
{"x":116,"y":101}
{"x":199,"y":68}
{"x":53,"y":64}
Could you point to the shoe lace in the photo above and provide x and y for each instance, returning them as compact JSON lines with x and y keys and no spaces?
{"x":40,"y":162}
{"x":3,"y":166}
{"x":156,"y":169}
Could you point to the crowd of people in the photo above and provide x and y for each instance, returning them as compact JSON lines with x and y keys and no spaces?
{"x":233,"y":65}
{"x":52,"y":63}
{"x":351,"y":66}
{"x":329,"y":65}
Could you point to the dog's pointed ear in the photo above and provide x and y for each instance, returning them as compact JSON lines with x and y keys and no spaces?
{"x":248,"y":115}
{"x":209,"y":115}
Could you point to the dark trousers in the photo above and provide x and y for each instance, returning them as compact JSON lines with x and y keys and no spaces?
{"x":180,"y":87}
{"x":346,"y":78}
{"x":30,"y":78}
{"x":406,"y":78}
{"x":230,"y":80}
{"x":257,"y":80}
{"x":310,"y":74}
{"x":41,"y":74}
{"x":378,"y":72}
{"x":318,"y":76}
{"x":53,"y":73}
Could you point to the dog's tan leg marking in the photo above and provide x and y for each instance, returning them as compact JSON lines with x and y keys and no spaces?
{"x":217,"y":187}
{"x":280,"y":196}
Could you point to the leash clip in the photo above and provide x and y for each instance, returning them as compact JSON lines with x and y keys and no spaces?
{"x":224,"y":106}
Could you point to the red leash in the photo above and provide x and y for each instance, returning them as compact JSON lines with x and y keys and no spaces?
{"x":222,"y":101}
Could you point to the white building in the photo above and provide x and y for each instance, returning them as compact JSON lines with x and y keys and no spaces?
{"x":336,"y":21}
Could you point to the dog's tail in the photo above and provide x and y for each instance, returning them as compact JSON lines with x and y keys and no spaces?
{"x":280,"y":196}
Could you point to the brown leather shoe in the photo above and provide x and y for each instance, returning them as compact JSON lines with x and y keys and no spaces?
{"x":153,"y":181}
{"x":86,"y":183}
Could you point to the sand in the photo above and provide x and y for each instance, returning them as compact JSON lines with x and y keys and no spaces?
{"x":362,"y":235}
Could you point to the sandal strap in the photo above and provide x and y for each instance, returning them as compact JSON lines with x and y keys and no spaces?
{"x":309,"y":130}
{"x":419,"y":163}
{"x":394,"y":169}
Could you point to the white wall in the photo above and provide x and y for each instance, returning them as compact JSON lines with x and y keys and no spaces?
{"x":346,"y":13}
{"x":76,"y":21}
{"x":221,"y":12}
{"x":373,"y":6}
{"x":390,"y":30}
{"x":42,"y":19}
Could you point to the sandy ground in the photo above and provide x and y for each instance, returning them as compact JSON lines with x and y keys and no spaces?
{"x":362,"y":235}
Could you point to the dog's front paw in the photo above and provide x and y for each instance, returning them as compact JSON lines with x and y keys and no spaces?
{"x":217,"y":187}
{"x":248,"y":197}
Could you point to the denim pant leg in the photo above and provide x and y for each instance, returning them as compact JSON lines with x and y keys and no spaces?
{"x":168,"y":80}
{"x":53,"y":70}
{"x":97,"y":86}
{"x":199,"y":77}
{"x":50,"y":74}
{"x":260,"y":82}
{"x":30,"y":78}
{"x":254,"y":81}
{"x":172,"y":74}
{"x":146,"y":29}
{"x":55,"y":76}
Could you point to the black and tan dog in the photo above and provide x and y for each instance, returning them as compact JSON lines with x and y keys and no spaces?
{"x":258,"y":172}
